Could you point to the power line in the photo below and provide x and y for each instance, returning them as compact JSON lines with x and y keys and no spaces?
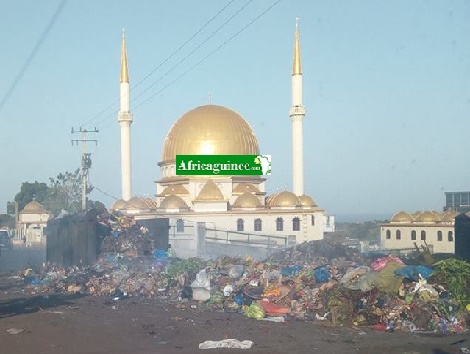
{"x":264,"y":12}
{"x":31,"y":56}
{"x":163,"y":62}
{"x":208,"y":55}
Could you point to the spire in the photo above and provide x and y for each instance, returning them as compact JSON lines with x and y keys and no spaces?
{"x":296,"y":67}
{"x":124,"y":70}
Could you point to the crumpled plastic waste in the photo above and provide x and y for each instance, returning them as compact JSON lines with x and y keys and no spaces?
{"x":226,"y":343}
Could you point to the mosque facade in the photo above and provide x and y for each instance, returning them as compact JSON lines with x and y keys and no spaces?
{"x":236,"y":204}
{"x":405,"y":231}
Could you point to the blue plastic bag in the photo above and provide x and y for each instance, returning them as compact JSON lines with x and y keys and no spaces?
{"x":160,"y":254}
{"x":412,"y":272}
{"x":291,"y":270}
{"x":321,"y":275}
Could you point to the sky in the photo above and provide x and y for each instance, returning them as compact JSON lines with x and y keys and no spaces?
{"x":386,"y":90}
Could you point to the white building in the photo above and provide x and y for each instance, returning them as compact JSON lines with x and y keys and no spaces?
{"x":235,"y":204}
{"x":31,"y":223}
{"x":437,"y":230}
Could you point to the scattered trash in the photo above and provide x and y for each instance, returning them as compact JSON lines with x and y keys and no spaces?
{"x":15,"y":330}
{"x":273,"y":319}
{"x":226,"y":343}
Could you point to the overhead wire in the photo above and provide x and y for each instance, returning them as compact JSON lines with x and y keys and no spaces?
{"x":264,"y":12}
{"x":33,"y":53}
{"x":164,"y":61}
{"x":210,"y":54}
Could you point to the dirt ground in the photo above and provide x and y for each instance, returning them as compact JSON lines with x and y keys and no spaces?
{"x":87,"y":324}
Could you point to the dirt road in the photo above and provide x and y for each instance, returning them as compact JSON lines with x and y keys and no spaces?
{"x":87,"y":324}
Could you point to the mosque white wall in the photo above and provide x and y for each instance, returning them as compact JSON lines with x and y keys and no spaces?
{"x":396,"y":236}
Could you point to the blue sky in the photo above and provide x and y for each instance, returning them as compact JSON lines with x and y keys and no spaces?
{"x":386,"y":88}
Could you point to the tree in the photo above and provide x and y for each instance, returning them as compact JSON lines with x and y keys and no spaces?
{"x":7,"y":221}
{"x":31,"y":191}
{"x":65,"y":192}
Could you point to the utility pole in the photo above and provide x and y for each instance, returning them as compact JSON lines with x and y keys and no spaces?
{"x":86,"y":160}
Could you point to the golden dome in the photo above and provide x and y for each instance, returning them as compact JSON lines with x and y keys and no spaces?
{"x":173,"y":202}
{"x":118,"y":204}
{"x":245,"y":187}
{"x":247,"y":200}
{"x":34,"y":207}
{"x":210,"y":192}
{"x":135,"y":203}
{"x":427,"y":216}
{"x":284,"y":199}
{"x":210,"y":130}
{"x":402,"y":216}
{"x":177,"y":189}
{"x":449,"y":216}
{"x":416,"y":214}
{"x":307,"y":201}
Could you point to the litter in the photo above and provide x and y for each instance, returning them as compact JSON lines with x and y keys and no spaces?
{"x":226,"y":343}
{"x":15,"y":330}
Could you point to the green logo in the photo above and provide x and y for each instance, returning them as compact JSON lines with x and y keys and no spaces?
{"x":223,"y":165}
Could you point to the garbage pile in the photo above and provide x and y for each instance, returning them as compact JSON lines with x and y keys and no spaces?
{"x":315,"y":281}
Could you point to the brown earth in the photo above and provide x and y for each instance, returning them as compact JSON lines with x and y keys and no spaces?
{"x":88,"y":324}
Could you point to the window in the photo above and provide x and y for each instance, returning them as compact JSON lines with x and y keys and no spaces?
{"x":279,"y":224}
{"x":388,"y":235}
{"x":450,"y":236}
{"x":240,"y":226}
{"x":296,"y":224}
{"x":180,"y":225}
{"x":413,"y":235}
{"x":313,"y":220}
{"x":258,"y":225}
{"x":439,"y":235}
{"x":423,"y":235}
{"x":398,"y":234}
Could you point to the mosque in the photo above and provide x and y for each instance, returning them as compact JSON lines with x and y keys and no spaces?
{"x":236,"y":204}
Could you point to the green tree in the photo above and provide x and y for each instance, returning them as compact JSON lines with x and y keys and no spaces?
{"x":7,"y":221}
{"x":65,"y":192}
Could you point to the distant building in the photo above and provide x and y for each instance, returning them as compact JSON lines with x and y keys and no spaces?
{"x":458,"y":201}
{"x":32,"y":221}
{"x":437,"y":230}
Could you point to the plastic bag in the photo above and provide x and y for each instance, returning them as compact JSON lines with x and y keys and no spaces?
{"x":321,"y":275}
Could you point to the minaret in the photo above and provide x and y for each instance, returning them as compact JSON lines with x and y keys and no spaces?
{"x":125,"y":120}
{"x":297,"y":114}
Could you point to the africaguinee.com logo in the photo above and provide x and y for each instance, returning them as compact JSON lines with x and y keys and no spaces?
{"x":223,"y":164}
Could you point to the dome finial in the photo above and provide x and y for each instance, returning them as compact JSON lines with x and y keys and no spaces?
{"x":209,"y":97}
{"x":296,"y":68}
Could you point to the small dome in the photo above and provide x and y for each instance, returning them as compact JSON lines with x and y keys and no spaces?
{"x":416,"y":214}
{"x":135,"y":203}
{"x":173,"y":202}
{"x":427,"y":216}
{"x":284,"y":199}
{"x":176,"y":189}
{"x":119,"y":204}
{"x":34,"y":207}
{"x":449,"y":216}
{"x":307,"y":201}
{"x":247,"y":200}
{"x":210,"y":192}
{"x":245,"y":187}
{"x":402,"y":216}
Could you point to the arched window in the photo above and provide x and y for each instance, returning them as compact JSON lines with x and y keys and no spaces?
{"x":296,"y":224}
{"x":313,"y":220}
{"x":279,"y":224}
{"x":388,"y":235}
{"x":413,"y":235}
{"x":450,"y":236}
{"x":180,"y":225}
{"x":439,"y":235}
{"x":398,"y":234}
{"x":423,"y":235}
{"x":258,"y":224}
{"x":240,"y":226}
